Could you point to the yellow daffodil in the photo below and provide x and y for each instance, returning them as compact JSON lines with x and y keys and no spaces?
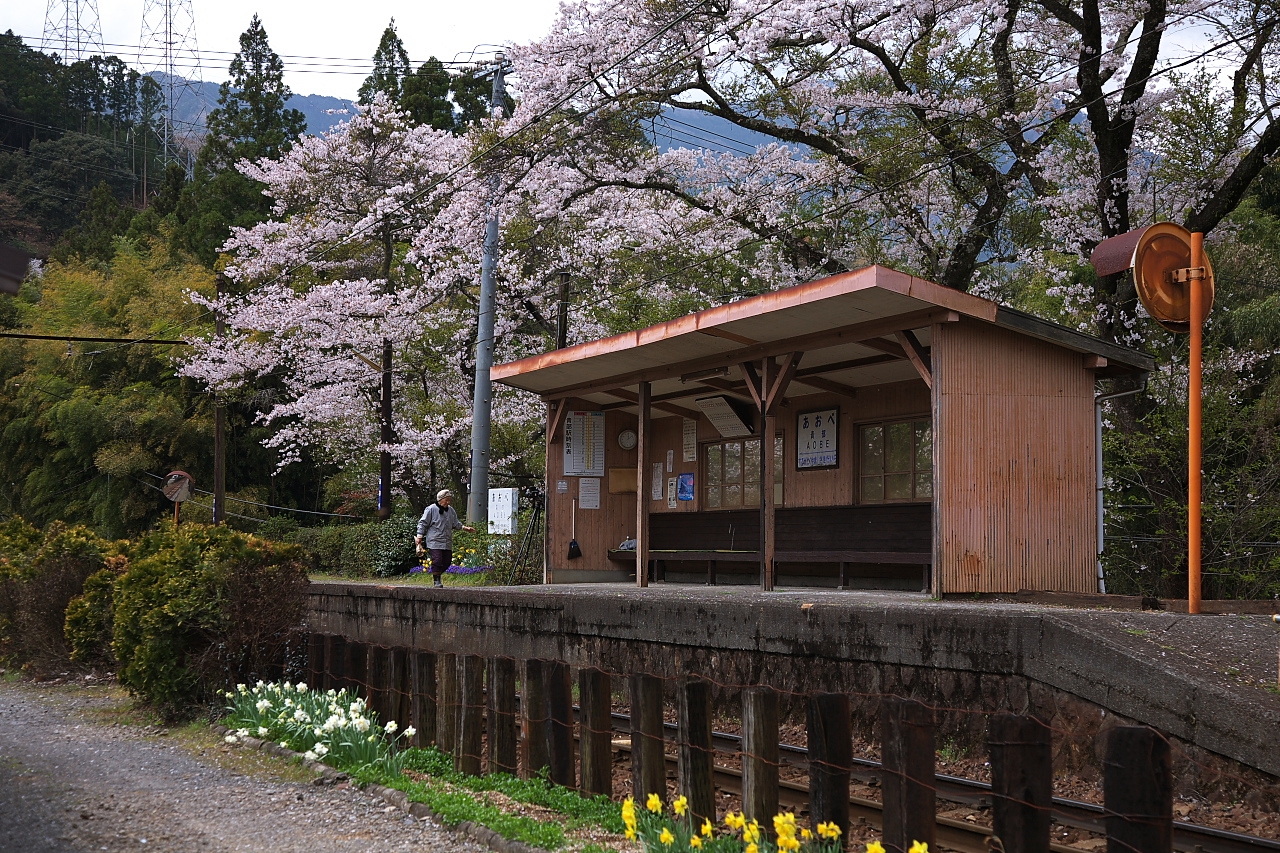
{"x":752,"y":848}
{"x":695,"y":843}
{"x":681,"y":805}
{"x":918,"y":847}
{"x":654,"y":803}
{"x":631,"y":834}
{"x":734,"y":820}
{"x":875,"y":847}
{"x":806,"y":834}
{"x":788,"y":843}
{"x":751,"y":833}
{"x":666,"y":837}
{"x":707,"y":828}
{"x":832,"y":831}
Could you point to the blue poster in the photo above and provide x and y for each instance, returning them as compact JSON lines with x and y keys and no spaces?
{"x":684,"y":487}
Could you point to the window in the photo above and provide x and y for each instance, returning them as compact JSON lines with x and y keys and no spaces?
{"x":731,"y":474}
{"x":896,"y":462}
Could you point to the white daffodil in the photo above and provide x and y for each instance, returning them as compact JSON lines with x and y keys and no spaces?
{"x":263,"y":731}
{"x":301,"y":716}
{"x":301,"y":688}
{"x":263,"y":705}
{"x":286,"y":687}
{"x":391,"y":727}
{"x":321,"y":750}
{"x":310,"y":755}
{"x":231,"y":739}
{"x":242,"y":732}
{"x":361,"y":724}
{"x":410,"y":732}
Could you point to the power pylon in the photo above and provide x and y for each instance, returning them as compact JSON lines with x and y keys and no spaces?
{"x":167,"y":51}
{"x":72,"y":29}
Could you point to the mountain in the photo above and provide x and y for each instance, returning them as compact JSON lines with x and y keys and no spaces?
{"x":196,"y":98}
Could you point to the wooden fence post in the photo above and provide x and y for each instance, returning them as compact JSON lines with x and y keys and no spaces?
{"x":447,"y":703}
{"x":504,"y":736}
{"x":693,"y":719}
{"x":334,"y":654}
{"x":907,"y":759}
{"x":379,"y":676}
{"x":595,"y":731}
{"x":422,"y":681}
{"x":760,"y":759}
{"x":315,"y":660}
{"x":560,"y":722}
{"x":829,"y":725}
{"x":1021,"y":750}
{"x":357,"y":669}
{"x":648,"y":760}
{"x":470,"y":715}
{"x":1137,"y":791}
{"x":534,"y":719}
{"x":401,"y":688}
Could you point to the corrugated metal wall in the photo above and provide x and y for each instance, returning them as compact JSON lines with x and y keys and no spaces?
{"x":1014,"y":463}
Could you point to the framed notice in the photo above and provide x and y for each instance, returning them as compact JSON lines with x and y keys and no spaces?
{"x":689,"y":448}
{"x":818,"y":439}
{"x":589,"y":493}
{"x":584,"y":444}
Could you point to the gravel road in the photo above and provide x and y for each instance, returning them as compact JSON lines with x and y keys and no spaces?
{"x":80,"y":772}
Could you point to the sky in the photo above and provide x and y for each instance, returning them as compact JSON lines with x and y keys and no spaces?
{"x":316,"y":28}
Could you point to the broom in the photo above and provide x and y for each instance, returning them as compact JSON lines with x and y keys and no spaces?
{"x":574,"y":551}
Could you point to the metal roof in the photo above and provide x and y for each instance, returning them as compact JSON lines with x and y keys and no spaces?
{"x":845,"y":325}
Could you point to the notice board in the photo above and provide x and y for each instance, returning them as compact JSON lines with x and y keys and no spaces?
{"x":584,"y":444}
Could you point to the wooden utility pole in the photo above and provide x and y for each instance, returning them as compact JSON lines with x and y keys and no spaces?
{"x":219,"y":424}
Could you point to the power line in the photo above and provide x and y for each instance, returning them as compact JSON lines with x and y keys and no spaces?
{"x":74,"y":339}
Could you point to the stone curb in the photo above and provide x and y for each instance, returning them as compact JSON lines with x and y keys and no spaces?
{"x":327,"y":775}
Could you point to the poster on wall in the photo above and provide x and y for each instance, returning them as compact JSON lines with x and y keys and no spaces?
{"x":684,"y":487}
{"x":690,"y":446}
{"x":589,"y":493}
{"x":818,"y":439}
{"x":671,"y":493}
{"x":584,"y":444}
{"x":655,"y":489}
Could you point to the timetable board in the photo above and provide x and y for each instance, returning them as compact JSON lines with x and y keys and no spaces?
{"x":584,"y":444}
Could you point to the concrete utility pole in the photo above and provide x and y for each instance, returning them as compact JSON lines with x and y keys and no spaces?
{"x":482,"y":398}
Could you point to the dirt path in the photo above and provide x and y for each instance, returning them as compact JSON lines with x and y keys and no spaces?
{"x":79,"y":772}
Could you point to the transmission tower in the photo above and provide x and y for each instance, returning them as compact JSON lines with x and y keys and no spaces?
{"x":72,"y":29}
{"x":167,"y":51}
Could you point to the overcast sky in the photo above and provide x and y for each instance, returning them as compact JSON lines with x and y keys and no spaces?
{"x":319,"y":28}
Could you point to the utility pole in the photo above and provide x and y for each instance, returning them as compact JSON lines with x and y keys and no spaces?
{"x":562,"y":314}
{"x":482,"y":398}
{"x":219,"y":426}
{"x":384,"y":410}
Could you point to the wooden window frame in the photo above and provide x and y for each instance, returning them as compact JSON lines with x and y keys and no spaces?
{"x":706,"y":484}
{"x":858,"y":476}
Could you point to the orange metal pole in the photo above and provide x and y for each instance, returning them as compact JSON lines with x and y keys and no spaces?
{"x":1195,"y":493}
{"x":176,"y":505}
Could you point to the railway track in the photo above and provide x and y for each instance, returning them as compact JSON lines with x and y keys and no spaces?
{"x":955,"y":834}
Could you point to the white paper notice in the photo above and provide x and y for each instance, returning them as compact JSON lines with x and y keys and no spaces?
{"x":671,"y":461}
{"x":690,"y":442}
{"x":655,"y":488}
{"x":584,"y":444}
{"x":589,"y":493}
{"x":671,"y":493}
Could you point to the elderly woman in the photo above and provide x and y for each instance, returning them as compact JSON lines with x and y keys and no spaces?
{"x":435,"y":533}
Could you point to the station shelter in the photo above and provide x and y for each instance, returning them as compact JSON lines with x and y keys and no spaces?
{"x":866,"y":430}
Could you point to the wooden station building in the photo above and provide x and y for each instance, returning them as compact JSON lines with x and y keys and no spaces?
{"x":867,"y":430}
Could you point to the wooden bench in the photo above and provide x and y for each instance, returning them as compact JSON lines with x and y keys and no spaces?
{"x":844,"y":558}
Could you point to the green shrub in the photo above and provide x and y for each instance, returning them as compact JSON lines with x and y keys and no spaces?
{"x":40,"y":573}
{"x":371,"y":549}
{"x":91,"y":614}
{"x":201,"y":608}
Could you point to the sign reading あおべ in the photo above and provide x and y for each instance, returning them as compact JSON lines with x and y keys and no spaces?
{"x":818,"y":439}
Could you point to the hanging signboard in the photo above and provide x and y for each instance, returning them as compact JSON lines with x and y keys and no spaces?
{"x":504,"y":506}
{"x":818,"y":439}
{"x":584,"y":444}
{"x":724,"y":416}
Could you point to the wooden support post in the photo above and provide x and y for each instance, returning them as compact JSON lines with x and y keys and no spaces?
{"x":648,"y":760}
{"x":315,"y":660}
{"x":559,"y":689}
{"x":693,"y":720}
{"x":337,"y":659}
{"x":643,"y":440}
{"x":844,"y":575}
{"x":760,"y":758}
{"x":447,"y":703}
{"x":907,"y":758}
{"x":829,"y":721}
{"x":470,"y":715}
{"x":504,"y":736}
{"x":1137,"y":791}
{"x":1021,"y":782}
{"x":379,"y":675}
{"x":357,"y":668}
{"x":595,"y":731}
{"x":534,"y":719}
{"x":767,"y":516}
{"x":404,"y":687}
{"x":422,"y":681}
{"x":711,"y":572}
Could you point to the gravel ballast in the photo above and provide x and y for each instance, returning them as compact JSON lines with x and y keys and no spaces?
{"x":72,"y":780}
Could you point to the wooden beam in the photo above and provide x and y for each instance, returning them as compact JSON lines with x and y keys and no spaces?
{"x":826,"y":385}
{"x":916,"y":353}
{"x":643,"y":439}
{"x":1094,"y":362}
{"x":755,"y":387}
{"x":769,"y":375}
{"x":886,"y":347}
{"x":786,"y":372}
{"x":855,"y":333}
{"x":850,"y":364}
{"x":623,"y":394}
